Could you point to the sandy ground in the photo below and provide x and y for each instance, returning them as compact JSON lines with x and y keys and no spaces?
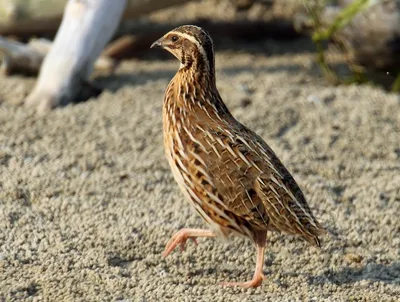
{"x":87,"y":200}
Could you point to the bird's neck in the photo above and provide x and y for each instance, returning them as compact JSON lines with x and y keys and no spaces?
{"x":197,"y":64}
{"x":195,"y":89}
{"x":197,"y":77}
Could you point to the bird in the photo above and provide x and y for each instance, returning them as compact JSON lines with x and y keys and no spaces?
{"x":228,"y":173}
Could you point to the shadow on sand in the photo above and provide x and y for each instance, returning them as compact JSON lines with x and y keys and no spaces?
{"x":371,"y":272}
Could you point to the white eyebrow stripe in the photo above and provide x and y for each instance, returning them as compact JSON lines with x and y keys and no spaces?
{"x":192,"y":39}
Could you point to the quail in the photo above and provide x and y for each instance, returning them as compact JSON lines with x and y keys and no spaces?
{"x":227,"y":172}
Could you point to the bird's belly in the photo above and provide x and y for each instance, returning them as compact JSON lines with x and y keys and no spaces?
{"x":190,"y":195}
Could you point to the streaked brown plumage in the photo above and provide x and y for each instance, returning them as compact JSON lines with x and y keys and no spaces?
{"x":229,"y":174}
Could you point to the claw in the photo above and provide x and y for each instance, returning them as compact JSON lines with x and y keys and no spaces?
{"x":182,"y":236}
{"x":255,"y":282}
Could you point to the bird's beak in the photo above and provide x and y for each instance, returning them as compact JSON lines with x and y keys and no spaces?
{"x":157,"y":44}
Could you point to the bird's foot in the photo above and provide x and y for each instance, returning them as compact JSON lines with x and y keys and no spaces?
{"x":253,"y":283}
{"x":182,"y":236}
{"x":179,"y":238}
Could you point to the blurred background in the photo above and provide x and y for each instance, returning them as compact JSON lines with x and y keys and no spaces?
{"x":87,"y":200}
{"x":354,"y":41}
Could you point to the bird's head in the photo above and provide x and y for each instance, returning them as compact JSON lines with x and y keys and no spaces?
{"x":191,"y":45}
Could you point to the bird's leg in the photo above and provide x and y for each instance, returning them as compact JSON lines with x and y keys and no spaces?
{"x":184,"y":234}
{"x":258,"y":273}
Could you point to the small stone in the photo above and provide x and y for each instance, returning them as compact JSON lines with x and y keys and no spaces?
{"x":245,"y":102}
{"x":353,"y":258}
{"x":313,"y":99}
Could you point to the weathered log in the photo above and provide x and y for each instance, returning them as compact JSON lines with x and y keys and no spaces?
{"x":16,"y":57}
{"x":28,"y":17}
{"x":85,"y":29}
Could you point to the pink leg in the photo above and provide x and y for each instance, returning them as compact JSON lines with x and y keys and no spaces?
{"x":258,"y":273}
{"x":181,"y":236}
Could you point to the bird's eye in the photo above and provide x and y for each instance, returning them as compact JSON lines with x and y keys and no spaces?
{"x":174,"y":38}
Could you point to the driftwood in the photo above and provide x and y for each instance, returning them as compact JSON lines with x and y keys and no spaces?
{"x":25,"y":18}
{"x":27,"y":58}
{"x":30,"y":16}
{"x":85,"y":29}
{"x":16,"y":57}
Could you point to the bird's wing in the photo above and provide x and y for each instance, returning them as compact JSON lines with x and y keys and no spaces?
{"x":247,"y":178}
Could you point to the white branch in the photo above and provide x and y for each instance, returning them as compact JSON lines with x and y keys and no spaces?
{"x":86,"y":27}
{"x":17,"y":56}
